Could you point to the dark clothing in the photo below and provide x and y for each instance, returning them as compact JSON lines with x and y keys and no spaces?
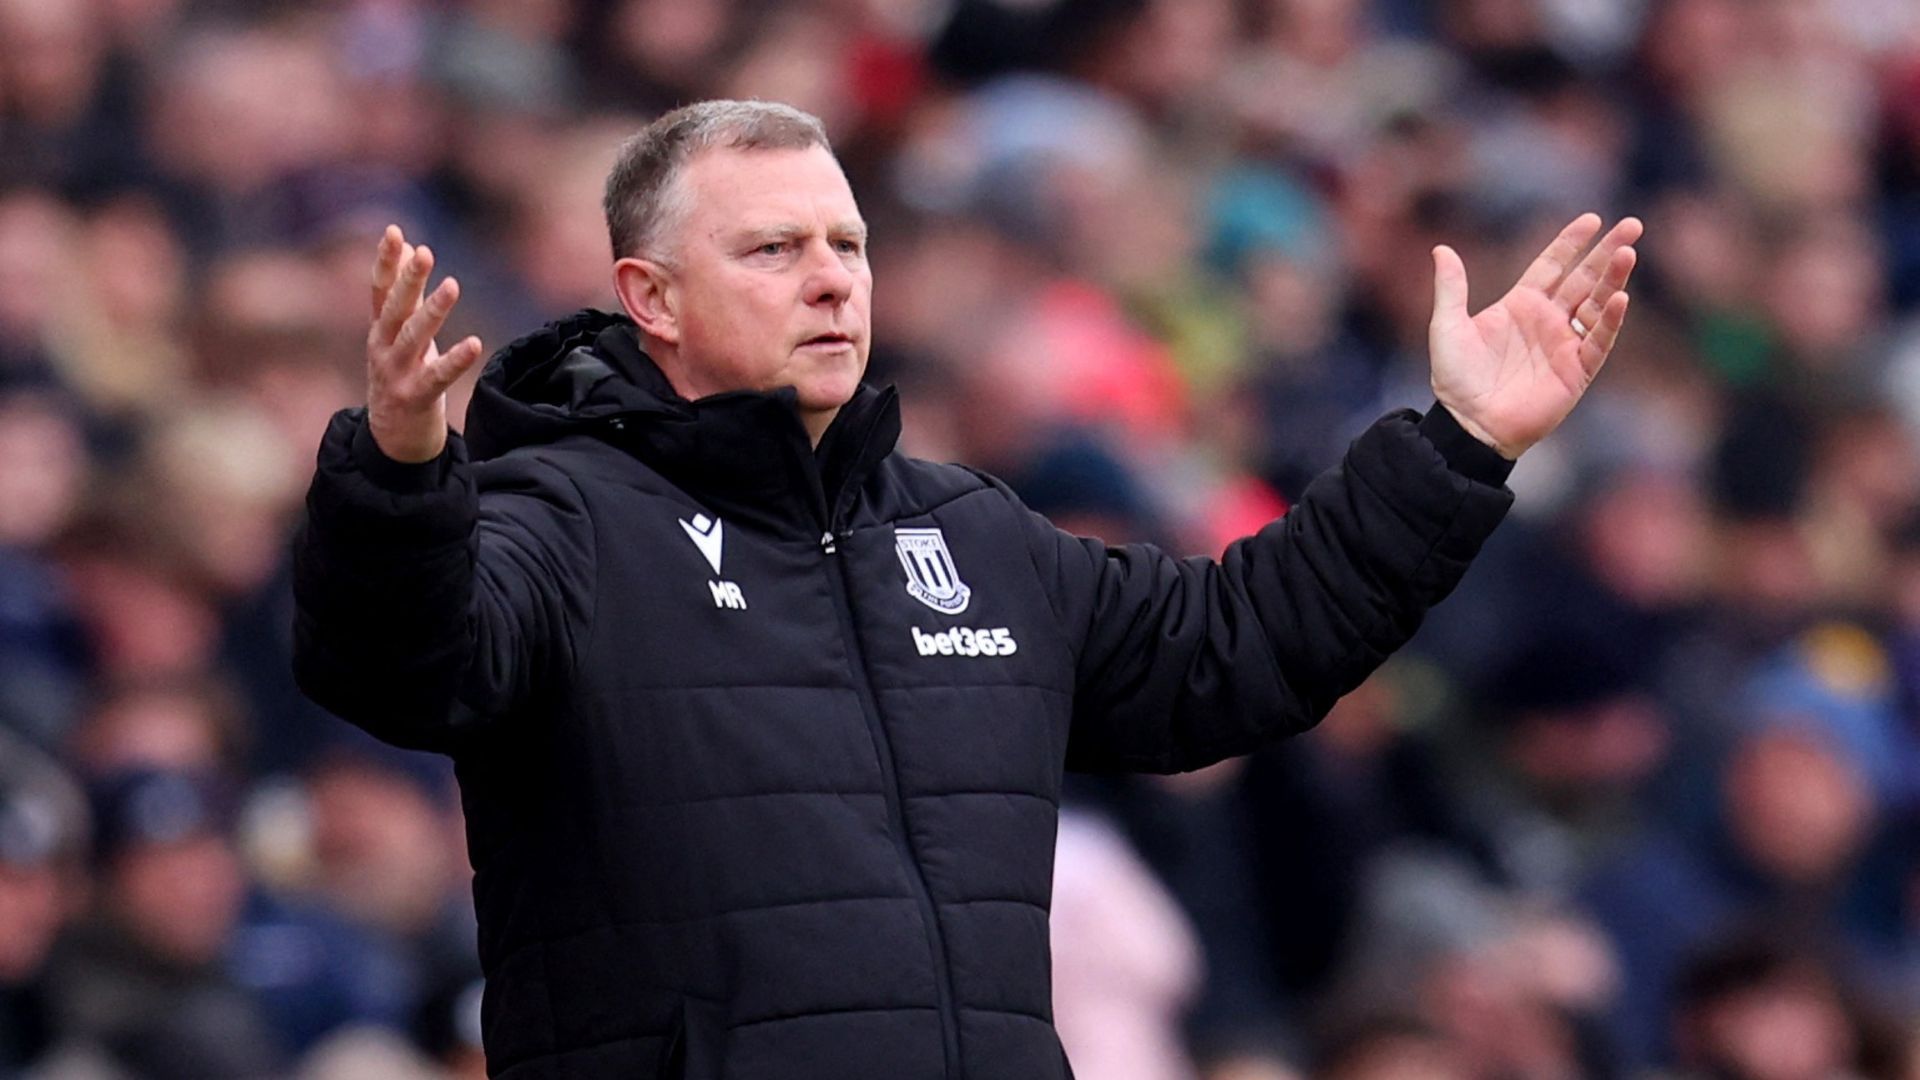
{"x":1676,"y":894}
{"x":776,"y":796}
{"x":26,"y":1028}
{"x":152,"y":1017}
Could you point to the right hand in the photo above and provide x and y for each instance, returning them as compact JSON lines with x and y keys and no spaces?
{"x":407,"y":376}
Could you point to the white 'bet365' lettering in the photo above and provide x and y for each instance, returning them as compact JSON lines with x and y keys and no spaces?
{"x":962,"y":641}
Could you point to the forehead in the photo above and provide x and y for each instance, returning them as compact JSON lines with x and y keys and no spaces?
{"x":739,"y":190}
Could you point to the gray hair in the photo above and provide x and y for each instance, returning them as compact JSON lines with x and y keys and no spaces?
{"x":644,"y":198}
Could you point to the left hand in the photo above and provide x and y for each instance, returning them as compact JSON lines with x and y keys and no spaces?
{"x":1511,"y":373}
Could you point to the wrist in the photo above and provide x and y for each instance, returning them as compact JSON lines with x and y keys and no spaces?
{"x":1479,"y":433}
{"x":411,"y":440}
{"x":393,"y":474}
{"x":1466,"y":449}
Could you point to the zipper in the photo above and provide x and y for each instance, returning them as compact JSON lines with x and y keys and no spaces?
{"x":863,"y":679}
{"x":832,"y":515}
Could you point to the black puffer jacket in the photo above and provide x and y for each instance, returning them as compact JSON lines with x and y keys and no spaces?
{"x":760,"y":749}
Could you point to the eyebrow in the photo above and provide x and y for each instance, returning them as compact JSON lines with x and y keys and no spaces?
{"x":755,"y":237}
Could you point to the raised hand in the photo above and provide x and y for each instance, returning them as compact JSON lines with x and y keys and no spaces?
{"x":1511,"y":373}
{"x":407,"y":376}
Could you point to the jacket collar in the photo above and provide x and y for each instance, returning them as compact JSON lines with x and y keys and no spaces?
{"x":744,"y":454}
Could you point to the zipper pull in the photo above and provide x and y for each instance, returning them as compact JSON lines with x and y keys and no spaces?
{"x":826,"y":543}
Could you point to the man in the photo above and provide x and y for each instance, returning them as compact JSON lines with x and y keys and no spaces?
{"x":43,"y":832}
{"x":143,"y":986}
{"x":759,"y":724}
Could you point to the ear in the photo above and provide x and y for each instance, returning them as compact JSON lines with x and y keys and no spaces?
{"x":646,"y":290}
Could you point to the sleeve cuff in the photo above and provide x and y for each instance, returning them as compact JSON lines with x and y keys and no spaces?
{"x":1464,"y":454}
{"x":398,"y":476}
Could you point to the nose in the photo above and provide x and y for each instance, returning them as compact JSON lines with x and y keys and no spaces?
{"x":829,"y":282}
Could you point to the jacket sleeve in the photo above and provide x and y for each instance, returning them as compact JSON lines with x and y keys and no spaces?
{"x":432,"y":600}
{"x":1180,"y":663}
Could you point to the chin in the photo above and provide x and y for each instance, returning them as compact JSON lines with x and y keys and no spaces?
{"x":831,"y":388}
{"x":819,"y":395}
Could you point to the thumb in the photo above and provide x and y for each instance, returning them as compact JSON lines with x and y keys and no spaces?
{"x":1449,"y":286}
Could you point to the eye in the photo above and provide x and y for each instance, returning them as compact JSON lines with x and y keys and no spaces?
{"x":847,"y":247}
{"x":771,"y":247}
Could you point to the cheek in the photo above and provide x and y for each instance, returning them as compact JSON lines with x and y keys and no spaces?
{"x":712,"y":331}
{"x":738,"y":338}
{"x":735,"y":316}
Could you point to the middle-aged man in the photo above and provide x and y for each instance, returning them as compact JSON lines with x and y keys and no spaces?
{"x":760,"y":724}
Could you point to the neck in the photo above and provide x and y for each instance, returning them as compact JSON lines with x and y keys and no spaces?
{"x":816,"y":424}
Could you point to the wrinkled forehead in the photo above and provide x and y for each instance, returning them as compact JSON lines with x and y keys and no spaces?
{"x":730,"y":191}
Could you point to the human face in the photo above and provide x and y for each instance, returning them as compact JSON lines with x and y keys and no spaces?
{"x":769,"y":284}
{"x":180,"y":898}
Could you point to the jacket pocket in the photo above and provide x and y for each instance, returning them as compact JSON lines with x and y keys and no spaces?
{"x":697,"y":1043}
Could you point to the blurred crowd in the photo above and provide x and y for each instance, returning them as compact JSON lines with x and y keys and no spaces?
{"x":1643,"y":798}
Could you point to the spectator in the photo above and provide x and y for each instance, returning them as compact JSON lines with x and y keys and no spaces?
{"x":1793,"y":818}
{"x":141,"y":985}
{"x":1758,"y":1008}
{"x":43,"y":839}
{"x":1119,"y":1010}
{"x":182,"y":723}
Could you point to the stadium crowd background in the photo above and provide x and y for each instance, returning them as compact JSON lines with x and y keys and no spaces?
{"x":1643,"y":798}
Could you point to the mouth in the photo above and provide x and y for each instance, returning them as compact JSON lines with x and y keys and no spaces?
{"x":826,"y":341}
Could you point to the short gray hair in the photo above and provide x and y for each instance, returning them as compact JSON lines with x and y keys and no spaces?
{"x":643,"y":196}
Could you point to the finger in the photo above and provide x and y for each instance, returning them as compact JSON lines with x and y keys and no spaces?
{"x":1449,"y":286}
{"x":386,"y":265}
{"x":404,"y":298}
{"x":381,"y":332}
{"x":1586,"y":317}
{"x":1557,"y":259}
{"x":452,"y":364}
{"x":1580,"y":281}
{"x":1613,"y":280}
{"x":1599,"y":344}
{"x":427,"y":320}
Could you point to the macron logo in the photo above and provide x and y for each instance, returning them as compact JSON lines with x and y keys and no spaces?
{"x":962,"y":641}
{"x":705,"y":534}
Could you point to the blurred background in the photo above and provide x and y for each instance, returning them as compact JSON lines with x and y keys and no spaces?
{"x":1643,"y":799}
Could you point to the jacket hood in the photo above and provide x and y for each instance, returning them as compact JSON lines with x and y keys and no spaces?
{"x":561,"y":380}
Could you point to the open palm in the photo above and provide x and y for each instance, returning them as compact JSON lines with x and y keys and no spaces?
{"x":1511,"y":373}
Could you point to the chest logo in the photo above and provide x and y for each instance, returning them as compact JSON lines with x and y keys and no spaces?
{"x":705,"y":534}
{"x":931,"y":577}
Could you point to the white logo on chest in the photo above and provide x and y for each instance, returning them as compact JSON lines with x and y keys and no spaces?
{"x":931,"y":577}
{"x":965,"y":641}
{"x":705,"y":532}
